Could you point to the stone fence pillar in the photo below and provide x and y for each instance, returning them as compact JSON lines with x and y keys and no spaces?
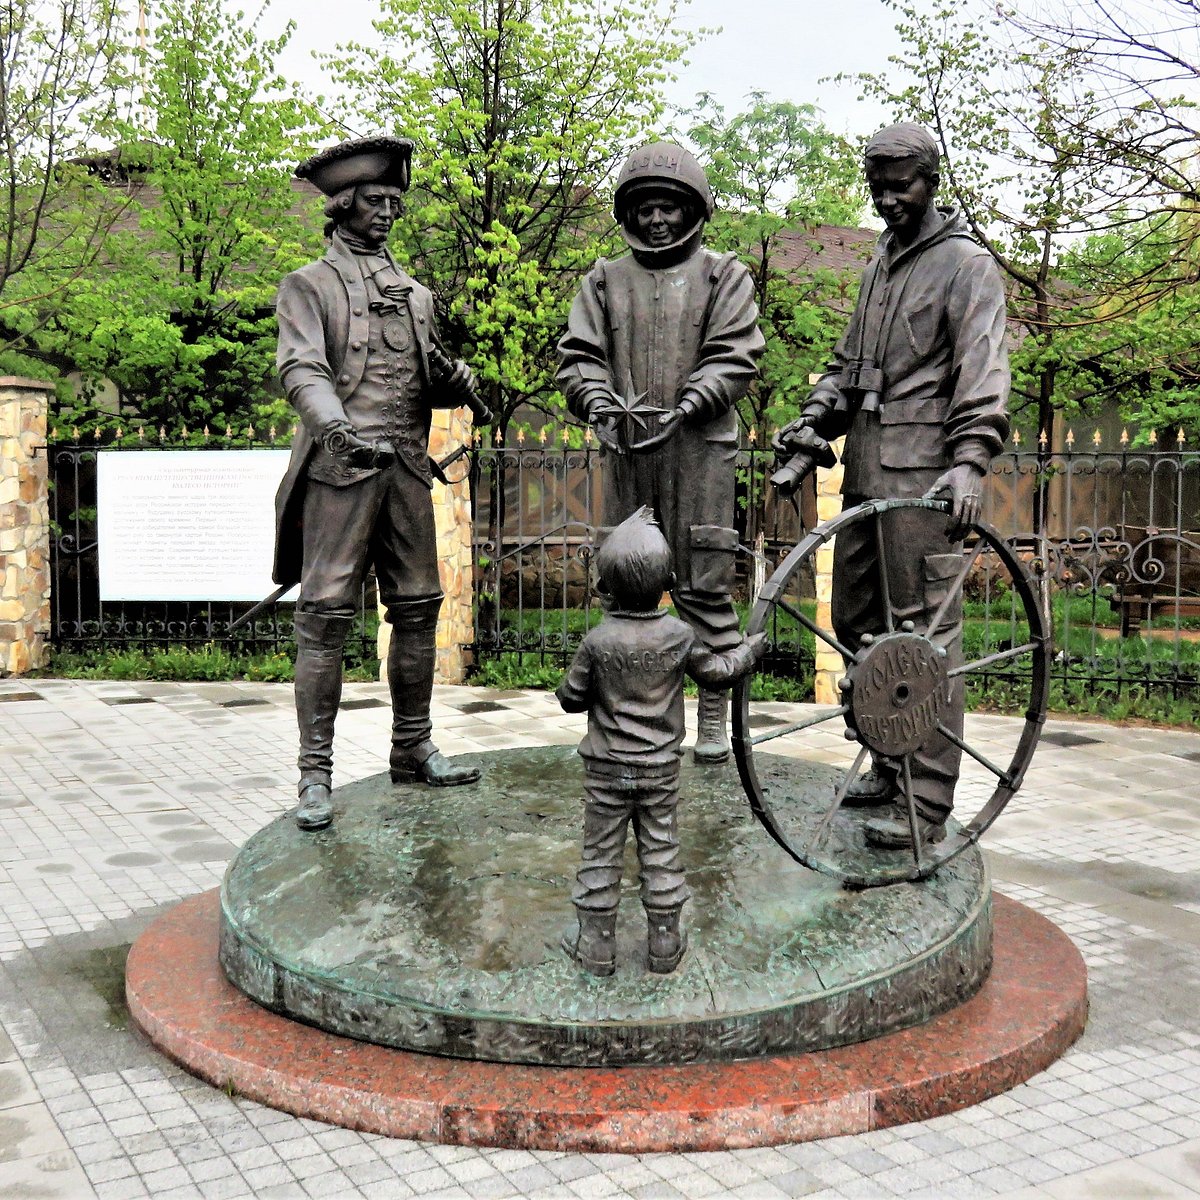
{"x":24,"y":525}
{"x":452,"y":514}
{"x":829,"y":665}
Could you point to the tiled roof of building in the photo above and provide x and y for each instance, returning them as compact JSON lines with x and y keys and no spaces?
{"x":824,"y":247}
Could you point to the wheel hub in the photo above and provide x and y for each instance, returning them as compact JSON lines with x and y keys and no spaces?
{"x":898,"y":687}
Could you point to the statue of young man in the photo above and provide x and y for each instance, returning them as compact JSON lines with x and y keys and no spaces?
{"x":671,"y":327}
{"x":919,"y":384}
{"x":360,"y":361}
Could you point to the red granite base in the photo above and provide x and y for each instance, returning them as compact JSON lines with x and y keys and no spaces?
{"x":1032,"y":1008}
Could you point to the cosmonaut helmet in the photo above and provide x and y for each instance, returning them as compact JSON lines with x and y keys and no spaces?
{"x":662,"y":167}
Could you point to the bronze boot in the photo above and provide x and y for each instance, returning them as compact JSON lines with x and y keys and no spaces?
{"x":412,"y":656}
{"x":319,"y":641}
{"x":712,"y":738}
{"x":591,"y":940}
{"x":665,"y":940}
{"x":872,"y":789}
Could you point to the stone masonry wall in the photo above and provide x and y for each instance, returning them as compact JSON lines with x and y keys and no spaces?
{"x":24,"y":525}
{"x":452,"y":513}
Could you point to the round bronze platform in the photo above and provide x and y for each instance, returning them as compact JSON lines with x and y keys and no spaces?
{"x":429,"y":919}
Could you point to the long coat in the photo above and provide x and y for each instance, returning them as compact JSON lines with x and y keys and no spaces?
{"x":323,"y":331}
{"x":692,"y":329}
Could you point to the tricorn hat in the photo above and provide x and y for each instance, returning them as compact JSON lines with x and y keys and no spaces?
{"x":364,"y":160}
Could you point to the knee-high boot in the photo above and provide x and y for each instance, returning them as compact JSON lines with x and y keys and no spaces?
{"x":712,"y":737}
{"x":319,"y":641}
{"x":412,"y":656}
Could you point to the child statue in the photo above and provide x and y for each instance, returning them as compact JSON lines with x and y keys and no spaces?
{"x":628,"y":676}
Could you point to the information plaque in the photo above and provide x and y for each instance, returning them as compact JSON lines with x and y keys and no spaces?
{"x":187,"y":524}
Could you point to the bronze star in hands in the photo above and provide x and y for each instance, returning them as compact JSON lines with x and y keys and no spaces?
{"x":629,"y":415}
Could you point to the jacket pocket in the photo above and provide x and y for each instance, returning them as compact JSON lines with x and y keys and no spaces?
{"x":941,"y":570}
{"x":913,"y":433}
{"x":915,"y":410}
{"x":711,"y":558}
{"x":921,"y":325}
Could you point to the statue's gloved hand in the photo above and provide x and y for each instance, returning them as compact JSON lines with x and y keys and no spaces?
{"x":460,"y":381}
{"x":340,"y":439}
{"x":758,"y":644}
{"x":457,"y":380}
{"x":962,"y":485}
{"x":792,"y":436}
{"x":604,"y":427}
{"x":674,"y":419}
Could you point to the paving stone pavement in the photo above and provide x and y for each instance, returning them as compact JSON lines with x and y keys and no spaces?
{"x":119,"y":799}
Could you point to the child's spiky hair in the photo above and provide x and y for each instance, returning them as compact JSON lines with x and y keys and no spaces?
{"x":634,"y":563}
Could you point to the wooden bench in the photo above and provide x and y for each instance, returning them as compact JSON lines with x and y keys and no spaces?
{"x":1174,"y":592}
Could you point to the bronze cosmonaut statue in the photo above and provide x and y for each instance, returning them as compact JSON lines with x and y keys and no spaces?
{"x":668,"y":337}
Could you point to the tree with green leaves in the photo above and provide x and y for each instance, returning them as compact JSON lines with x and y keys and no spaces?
{"x":777,"y":174}
{"x":521,"y":110}
{"x":62,"y":68}
{"x":179,"y":315}
{"x":1038,"y":152}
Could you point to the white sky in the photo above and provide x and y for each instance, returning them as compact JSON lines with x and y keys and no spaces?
{"x":781,"y":47}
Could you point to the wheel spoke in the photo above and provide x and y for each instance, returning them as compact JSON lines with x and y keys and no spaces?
{"x":807,"y":723}
{"x":954,"y":590}
{"x":885,"y":592}
{"x":827,"y":820}
{"x":815,"y":629}
{"x":950,"y":736}
{"x":913,"y":830}
{"x":999,"y":656}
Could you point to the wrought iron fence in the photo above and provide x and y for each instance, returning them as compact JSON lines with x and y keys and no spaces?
{"x":81,"y":620}
{"x":536,"y":510}
{"x":1112,"y":539}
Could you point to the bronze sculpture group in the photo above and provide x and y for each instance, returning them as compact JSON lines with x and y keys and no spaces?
{"x":663,"y":340}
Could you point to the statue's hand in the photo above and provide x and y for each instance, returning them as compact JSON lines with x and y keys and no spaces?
{"x":791,"y":437}
{"x":603,"y":425}
{"x":460,"y":381}
{"x":758,"y":644}
{"x":962,"y":485}
{"x":606,"y":434}
{"x":340,"y":439}
{"x":669,"y":424}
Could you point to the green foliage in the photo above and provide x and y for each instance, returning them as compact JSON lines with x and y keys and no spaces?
{"x":527,"y":671}
{"x":212,"y":662}
{"x":179,"y":314}
{"x":1044,"y":146}
{"x":776,"y":173}
{"x":520,"y":110}
{"x":62,"y":66}
{"x":517,"y":671}
{"x":767,"y":687}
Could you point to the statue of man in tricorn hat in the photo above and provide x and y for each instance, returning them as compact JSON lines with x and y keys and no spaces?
{"x":660,"y":346}
{"x":360,"y":360}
